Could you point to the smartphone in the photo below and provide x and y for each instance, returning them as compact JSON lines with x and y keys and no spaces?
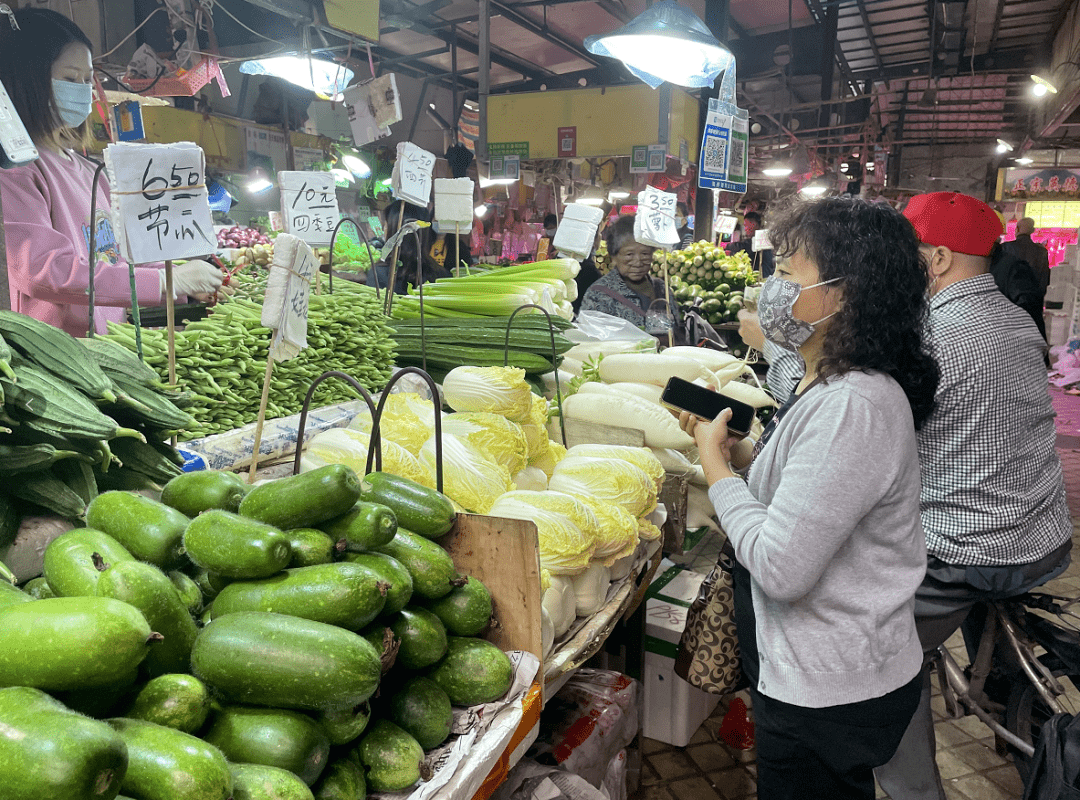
{"x":707,"y":404}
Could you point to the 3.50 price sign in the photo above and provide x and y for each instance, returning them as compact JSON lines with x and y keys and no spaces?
{"x":160,"y":201}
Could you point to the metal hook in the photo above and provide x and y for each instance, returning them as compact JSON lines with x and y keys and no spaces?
{"x":6,"y":9}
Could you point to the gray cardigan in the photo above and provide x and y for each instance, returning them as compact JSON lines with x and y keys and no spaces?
{"x":828,"y":527}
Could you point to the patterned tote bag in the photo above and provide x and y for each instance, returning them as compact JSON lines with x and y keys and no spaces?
{"x":708,"y":654}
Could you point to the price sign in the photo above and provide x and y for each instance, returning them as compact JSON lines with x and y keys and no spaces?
{"x":654,"y":223}
{"x":160,"y":202}
{"x":309,"y":205}
{"x":288,"y":289}
{"x":411,"y":179}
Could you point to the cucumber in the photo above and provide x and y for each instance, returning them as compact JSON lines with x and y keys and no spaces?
{"x":423,"y":710}
{"x":175,"y":701}
{"x":284,"y":662}
{"x":210,"y":584}
{"x":305,"y":500}
{"x":343,"y":780}
{"x":271,"y":737}
{"x":430,"y":566}
{"x":364,"y":527}
{"x":39,"y":589}
{"x":100,"y":702}
{"x":70,"y":567}
{"x":390,"y":571}
{"x":195,"y":492}
{"x":149,"y":589}
{"x":422,"y":635}
{"x":391,"y":756}
{"x":189,"y":592}
{"x":71,"y":642}
{"x":472,"y":671}
{"x":343,"y":725}
{"x":347,"y":595}
{"x":48,"y":751}
{"x":418,"y":508}
{"x":150,"y":531}
{"x":167,"y":764}
{"x":466,"y":611}
{"x":235,"y":547}
{"x":12,"y":595}
{"x":310,"y":546}
{"x":259,"y":782}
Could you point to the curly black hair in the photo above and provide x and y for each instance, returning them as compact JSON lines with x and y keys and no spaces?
{"x":881,"y":324}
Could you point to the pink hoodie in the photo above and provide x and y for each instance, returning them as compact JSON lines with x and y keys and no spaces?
{"x":47,"y":225}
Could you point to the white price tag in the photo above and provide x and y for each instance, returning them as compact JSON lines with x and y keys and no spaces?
{"x":411,"y":179}
{"x":454,"y":203}
{"x":160,"y":207}
{"x":309,"y":205}
{"x":655,"y":218}
{"x":288,"y":288}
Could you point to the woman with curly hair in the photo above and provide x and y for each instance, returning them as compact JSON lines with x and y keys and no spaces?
{"x":826,"y":524}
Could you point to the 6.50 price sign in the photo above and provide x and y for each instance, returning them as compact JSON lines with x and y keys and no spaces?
{"x":159,"y":201}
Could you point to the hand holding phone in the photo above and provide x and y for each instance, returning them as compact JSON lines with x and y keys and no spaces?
{"x":707,"y":404}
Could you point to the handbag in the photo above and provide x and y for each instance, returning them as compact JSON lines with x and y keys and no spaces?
{"x":708,"y":653}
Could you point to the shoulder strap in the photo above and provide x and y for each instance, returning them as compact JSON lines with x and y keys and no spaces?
{"x":619,"y":298}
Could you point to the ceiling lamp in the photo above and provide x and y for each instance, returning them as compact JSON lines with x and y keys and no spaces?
{"x":666,"y":43}
{"x":1003,"y":146}
{"x":617,"y":194}
{"x":258,"y":182}
{"x":814,"y":189}
{"x":1042,"y":86}
{"x":356,"y":166}
{"x":1025,"y":161}
{"x":776,"y":172}
{"x":481,"y":211}
{"x":322,"y":77}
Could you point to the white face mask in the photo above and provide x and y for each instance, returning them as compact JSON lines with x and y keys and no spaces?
{"x":73,"y":101}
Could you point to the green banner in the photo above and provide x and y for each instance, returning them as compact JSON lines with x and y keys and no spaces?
{"x":520,"y":149}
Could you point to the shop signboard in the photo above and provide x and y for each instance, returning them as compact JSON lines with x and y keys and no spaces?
{"x":568,"y":142}
{"x":1061,"y":214}
{"x":265,"y":146}
{"x":639,"y":159}
{"x":1041,"y":183}
{"x":305,"y":158}
{"x":159,"y":197}
{"x":309,"y":205}
{"x":519,"y":149}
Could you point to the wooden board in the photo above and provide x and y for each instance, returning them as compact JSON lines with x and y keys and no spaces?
{"x":580,"y":432}
{"x":505,"y":555}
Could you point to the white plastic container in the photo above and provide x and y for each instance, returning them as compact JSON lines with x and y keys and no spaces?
{"x":674,"y":709}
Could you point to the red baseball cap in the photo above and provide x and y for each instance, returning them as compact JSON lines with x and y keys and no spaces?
{"x":954,"y":220}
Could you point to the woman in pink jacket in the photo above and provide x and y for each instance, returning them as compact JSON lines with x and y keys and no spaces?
{"x":46,"y":68}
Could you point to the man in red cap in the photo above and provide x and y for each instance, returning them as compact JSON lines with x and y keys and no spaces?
{"x":993,"y":496}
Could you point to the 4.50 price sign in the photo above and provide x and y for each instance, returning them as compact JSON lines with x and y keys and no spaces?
{"x":159,"y":201}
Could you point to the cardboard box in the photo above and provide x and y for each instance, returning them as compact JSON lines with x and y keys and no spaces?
{"x":674,"y":710}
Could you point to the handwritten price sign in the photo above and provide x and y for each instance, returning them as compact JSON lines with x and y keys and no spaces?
{"x":655,"y":219}
{"x":309,"y":205}
{"x":411,"y":179}
{"x":159,"y":199}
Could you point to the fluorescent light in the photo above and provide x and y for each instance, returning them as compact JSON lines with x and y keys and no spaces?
{"x":813,"y":190}
{"x":869,"y":166}
{"x":1025,"y":160}
{"x":324,"y":77}
{"x":1003,"y":146}
{"x":1042,"y":86}
{"x":590,"y":201}
{"x":486,"y":182}
{"x":386,"y":182}
{"x":776,"y":172}
{"x":844,"y":167}
{"x":481,"y":210}
{"x":342,"y":176}
{"x":618,"y":194}
{"x":259,"y":184}
{"x":356,"y":166}
{"x":666,"y":42}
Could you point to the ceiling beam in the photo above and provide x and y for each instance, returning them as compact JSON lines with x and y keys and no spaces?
{"x":870,"y":32}
{"x":819,"y":17}
{"x":997,"y":25}
{"x":543,"y":31}
{"x":1001,"y":61}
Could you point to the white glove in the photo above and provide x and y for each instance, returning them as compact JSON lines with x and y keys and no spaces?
{"x":193,"y":278}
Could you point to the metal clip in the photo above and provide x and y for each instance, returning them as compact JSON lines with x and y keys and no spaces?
{"x":5,"y":9}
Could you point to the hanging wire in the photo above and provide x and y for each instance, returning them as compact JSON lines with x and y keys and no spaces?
{"x":93,"y":244}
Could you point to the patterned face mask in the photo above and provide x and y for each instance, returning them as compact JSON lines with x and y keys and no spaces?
{"x":778,"y":322}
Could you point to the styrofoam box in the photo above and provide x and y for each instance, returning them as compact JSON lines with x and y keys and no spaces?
{"x":674,"y":709}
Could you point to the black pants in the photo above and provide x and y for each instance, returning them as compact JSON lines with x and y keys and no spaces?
{"x":828,"y":753}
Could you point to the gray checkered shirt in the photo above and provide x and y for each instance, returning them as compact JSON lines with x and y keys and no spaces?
{"x":992,"y":488}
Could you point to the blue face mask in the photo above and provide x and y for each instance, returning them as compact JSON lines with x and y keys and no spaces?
{"x":73,"y":101}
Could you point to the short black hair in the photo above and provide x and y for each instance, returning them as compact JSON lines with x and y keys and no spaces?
{"x":550,"y":221}
{"x":26,"y":59}
{"x":753,"y":216}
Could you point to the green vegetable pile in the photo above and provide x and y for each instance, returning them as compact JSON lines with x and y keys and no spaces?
{"x":350,"y":256}
{"x":222,"y":359}
{"x":704,"y":271}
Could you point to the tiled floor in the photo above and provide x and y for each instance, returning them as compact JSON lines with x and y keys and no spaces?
{"x":708,"y":769}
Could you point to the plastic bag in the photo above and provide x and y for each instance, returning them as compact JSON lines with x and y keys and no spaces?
{"x":592,"y":718}
{"x":469,"y":476}
{"x":596,"y":326}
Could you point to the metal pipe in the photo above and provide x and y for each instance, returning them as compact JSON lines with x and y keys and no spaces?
{"x":485,"y":77}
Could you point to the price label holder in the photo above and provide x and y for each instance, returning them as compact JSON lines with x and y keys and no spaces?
{"x":725,"y":142}
{"x":309,"y":206}
{"x":161,"y":211}
{"x":654,"y":223}
{"x":454,"y":209}
{"x":411,"y":179}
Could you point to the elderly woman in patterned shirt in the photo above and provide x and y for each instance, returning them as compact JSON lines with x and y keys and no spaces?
{"x":628,"y":291}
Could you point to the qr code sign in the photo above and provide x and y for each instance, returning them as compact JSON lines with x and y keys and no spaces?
{"x":738,"y":156}
{"x":715,"y":153}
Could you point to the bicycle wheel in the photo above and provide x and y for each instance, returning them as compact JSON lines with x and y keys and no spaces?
{"x":1026,"y":711}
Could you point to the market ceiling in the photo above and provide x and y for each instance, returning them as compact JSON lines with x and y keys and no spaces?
{"x":860,"y":71}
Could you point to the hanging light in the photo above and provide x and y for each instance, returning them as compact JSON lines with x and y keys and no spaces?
{"x":666,"y":43}
{"x":1042,"y":86}
{"x":815,"y":189}
{"x":1003,"y":146}
{"x":258,"y":182}
{"x":776,"y":172}
{"x":342,"y":177}
{"x":356,"y":165}
{"x":617,"y":194}
{"x":1024,"y":160}
{"x":481,"y":210}
{"x":323,"y":77}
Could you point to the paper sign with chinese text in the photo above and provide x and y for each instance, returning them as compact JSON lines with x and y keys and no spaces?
{"x":160,"y":206}
{"x":309,"y":205}
{"x":288,"y":290}
{"x":654,"y":222}
{"x":411,"y":179}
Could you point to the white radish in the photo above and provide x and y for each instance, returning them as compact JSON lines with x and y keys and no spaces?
{"x":710,"y":359}
{"x":751,"y":395}
{"x":649,"y":368}
{"x":646,"y":391}
{"x":624,"y":410}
